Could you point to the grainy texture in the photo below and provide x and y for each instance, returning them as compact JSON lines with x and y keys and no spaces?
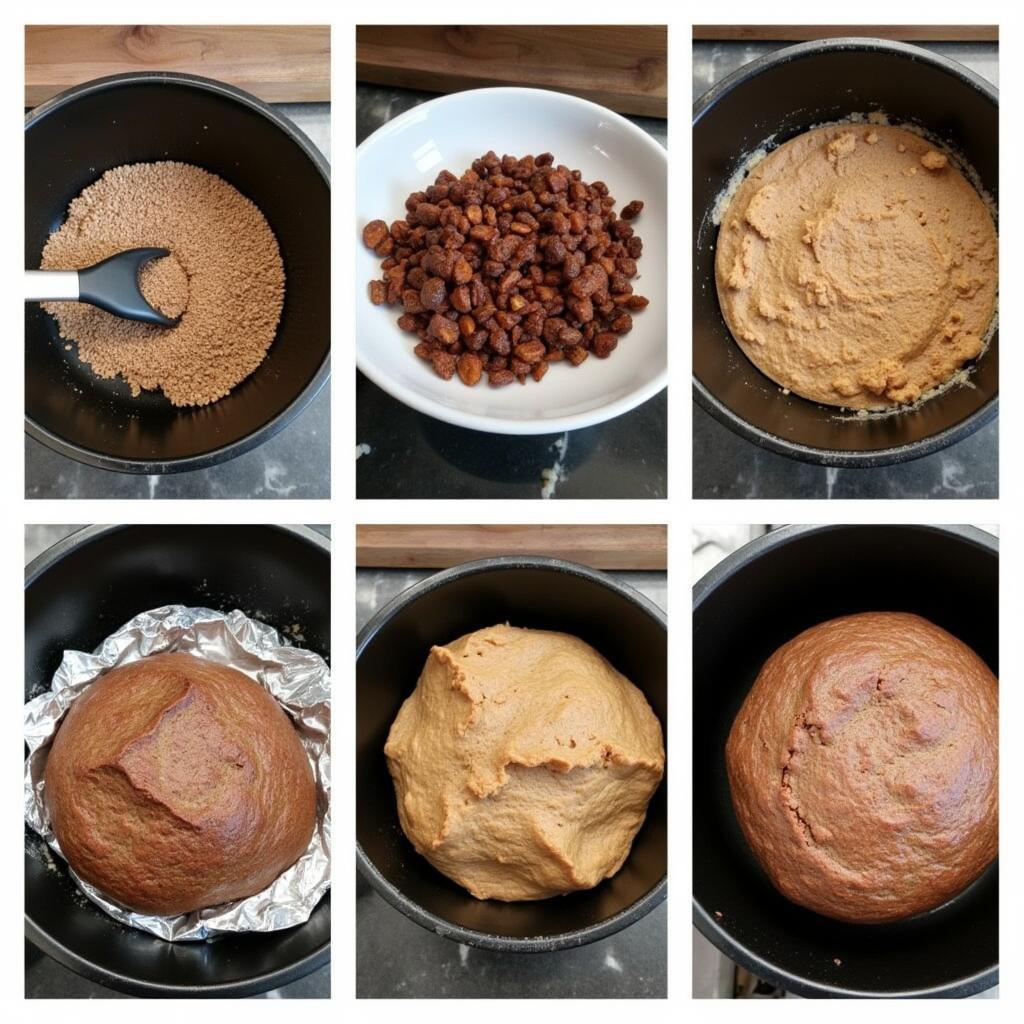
{"x":227,"y":251}
{"x":864,"y":767}
{"x":164,"y":284}
{"x":523,"y":763}
{"x":174,"y":784}
{"x":857,"y":267}
{"x":516,"y":264}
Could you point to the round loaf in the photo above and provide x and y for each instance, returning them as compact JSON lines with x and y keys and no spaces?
{"x":863,"y":767}
{"x":523,"y":763}
{"x":175,"y":783}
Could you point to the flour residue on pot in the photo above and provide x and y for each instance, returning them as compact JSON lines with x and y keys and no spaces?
{"x":747,"y":164}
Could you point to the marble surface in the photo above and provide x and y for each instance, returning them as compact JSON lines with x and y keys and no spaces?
{"x":396,"y":958}
{"x":293,"y":464}
{"x":727,"y":466}
{"x":402,"y":453}
{"x":47,"y":979}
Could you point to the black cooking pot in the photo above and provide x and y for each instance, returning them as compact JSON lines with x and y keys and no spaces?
{"x":785,"y":93}
{"x":76,"y":594}
{"x":743,"y":610}
{"x":70,"y":141}
{"x":536,"y":592}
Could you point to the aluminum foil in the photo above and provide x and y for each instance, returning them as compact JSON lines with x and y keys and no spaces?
{"x":301,"y":682}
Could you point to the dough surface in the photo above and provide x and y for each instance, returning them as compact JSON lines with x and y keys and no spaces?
{"x":523,"y":763}
{"x":863,"y":767}
{"x":856,"y":266}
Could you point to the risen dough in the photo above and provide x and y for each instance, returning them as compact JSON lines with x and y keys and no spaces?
{"x":523,"y":763}
{"x":856,"y":266}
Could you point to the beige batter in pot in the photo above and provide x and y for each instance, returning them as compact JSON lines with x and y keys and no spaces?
{"x":857,"y":267}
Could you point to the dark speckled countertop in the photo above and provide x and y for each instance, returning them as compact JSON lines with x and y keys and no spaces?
{"x":293,"y":464}
{"x":396,"y":958}
{"x":403,"y":454}
{"x":727,"y":466}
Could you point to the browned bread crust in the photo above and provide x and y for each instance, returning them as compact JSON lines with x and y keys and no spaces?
{"x":864,"y":767}
{"x":174,"y":784}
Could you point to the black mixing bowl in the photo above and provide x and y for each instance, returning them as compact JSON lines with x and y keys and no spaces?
{"x":69,"y":142}
{"x":785,"y":93}
{"x":743,"y":610}
{"x":76,"y":594}
{"x":391,"y":649}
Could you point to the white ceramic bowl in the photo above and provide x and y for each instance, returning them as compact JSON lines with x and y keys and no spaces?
{"x":449,"y":133}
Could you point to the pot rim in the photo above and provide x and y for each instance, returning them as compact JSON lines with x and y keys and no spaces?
{"x":262,"y":433}
{"x":758,"y":546}
{"x":713,"y":930}
{"x":429,"y":920}
{"x":58,"y":550}
{"x":736,"y":951}
{"x":895,"y":454}
{"x":42,"y":939}
{"x":254,"y":985}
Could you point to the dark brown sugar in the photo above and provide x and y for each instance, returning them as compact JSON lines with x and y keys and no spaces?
{"x":225,"y":277}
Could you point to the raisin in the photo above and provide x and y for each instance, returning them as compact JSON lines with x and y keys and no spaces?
{"x":515,"y":264}
{"x":433,"y":294}
{"x":470,"y":368}
{"x":443,"y":329}
{"x":499,"y":378}
{"x":374,"y":233}
{"x":530,"y":351}
{"x":444,"y":364}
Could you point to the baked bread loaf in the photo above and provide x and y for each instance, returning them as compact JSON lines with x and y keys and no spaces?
{"x":174,"y":784}
{"x":523,"y":763}
{"x":863,"y":767}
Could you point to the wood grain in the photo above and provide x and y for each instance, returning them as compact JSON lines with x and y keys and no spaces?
{"x":437,"y":547}
{"x":277,"y":63}
{"x":801,"y":33}
{"x":623,"y":67}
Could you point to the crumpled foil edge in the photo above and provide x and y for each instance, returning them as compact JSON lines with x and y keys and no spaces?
{"x":298,"y":678}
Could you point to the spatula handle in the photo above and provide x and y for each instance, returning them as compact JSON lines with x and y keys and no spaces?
{"x":51,"y":285}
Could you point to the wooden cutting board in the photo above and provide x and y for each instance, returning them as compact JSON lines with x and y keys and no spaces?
{"x":623,"y":67}
{"x":437,"y":547}
{"x":799,"y":33}
{"x":277,"y":63}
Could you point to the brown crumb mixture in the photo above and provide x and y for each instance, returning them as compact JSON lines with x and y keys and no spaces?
{"x":226,"y":278}
{"x":164,"y":285}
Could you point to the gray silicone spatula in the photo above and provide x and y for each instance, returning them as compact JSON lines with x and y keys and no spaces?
{"x":112,"y":285}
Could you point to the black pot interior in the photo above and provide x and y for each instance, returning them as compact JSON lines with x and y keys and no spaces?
{"x":951,"y":580}
{"x":788,"y":98}
{"x":67,"y":148}
{"x":387,"y":670}
{"x":74,"y":603}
